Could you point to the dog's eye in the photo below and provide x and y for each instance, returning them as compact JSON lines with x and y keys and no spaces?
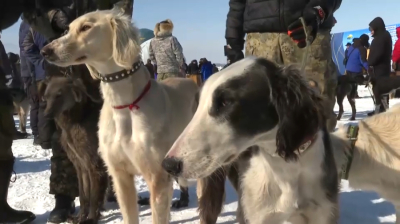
{"x":85,"y":28}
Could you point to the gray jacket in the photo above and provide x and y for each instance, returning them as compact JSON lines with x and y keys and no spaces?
{"x":167,"y":53}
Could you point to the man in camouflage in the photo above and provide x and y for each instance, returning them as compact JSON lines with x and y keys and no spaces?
{"x":50,"y":18}
{"x":165,"y":51}
{"x":274,"y":32}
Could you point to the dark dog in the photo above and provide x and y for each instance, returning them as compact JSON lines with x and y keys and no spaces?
{"x":347,"y":86}
{"x":381,"y":88}
{"x":74,"y":106}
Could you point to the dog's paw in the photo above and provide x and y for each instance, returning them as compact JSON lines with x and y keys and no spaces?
{"x":180,"y":204}
{"x":143,"y":201}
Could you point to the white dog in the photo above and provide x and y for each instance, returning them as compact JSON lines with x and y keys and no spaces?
{"x":141,"y":118}
{"x":374,"y":161}
{"x":291,"y":174}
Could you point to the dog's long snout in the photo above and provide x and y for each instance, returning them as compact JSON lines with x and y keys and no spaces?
{"x":172,"y":165}
{"x":47,"y":52}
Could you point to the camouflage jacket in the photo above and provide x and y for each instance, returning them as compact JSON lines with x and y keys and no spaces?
{"x":167,"y":53}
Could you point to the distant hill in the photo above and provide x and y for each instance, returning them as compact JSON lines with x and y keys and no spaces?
{"x":145,"y":34}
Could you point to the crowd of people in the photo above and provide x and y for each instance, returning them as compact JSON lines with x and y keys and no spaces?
{"x":166,"y":58}
{"x":276,"y":35}
{"x":374,"y":59}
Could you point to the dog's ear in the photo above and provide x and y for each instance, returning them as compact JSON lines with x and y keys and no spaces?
{"x":126,"y":48}
{"x":299,"y":110}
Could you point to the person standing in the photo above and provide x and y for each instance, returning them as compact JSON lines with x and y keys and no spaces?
{"x":28,"y":77}
{"x":346,"y":53}
{"x":150,"y":68}
{"x":193,"y":72}
{"x":274,"y":31}
{"x":396,"y":53}
{"x":7,"y":134}
{"x":380,"y":54}
{"x":166,"y":51}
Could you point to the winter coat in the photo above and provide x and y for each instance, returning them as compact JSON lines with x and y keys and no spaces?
{"x":193,"y":69}
{"x":150,"y":68}
{"x":260,"y":16}
{"x":380,"y":55}
{"x":356,"y":57}
{"x":32,"y":44}
{"x":165,"y":49}
{"x":27,"y":68}
{"x":396,"y":49}
{"x":206,"y":70}
{"x":4,"y":62}
{"x":215,"y":69}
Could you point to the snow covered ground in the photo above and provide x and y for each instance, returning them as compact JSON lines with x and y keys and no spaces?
{"x":30,"y":191}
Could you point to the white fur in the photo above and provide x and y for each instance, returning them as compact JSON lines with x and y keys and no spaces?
{"x":376,"y":160}
{"x":131,"y":142}
{"x":273,"y":190}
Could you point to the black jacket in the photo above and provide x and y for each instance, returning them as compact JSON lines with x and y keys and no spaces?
{"x":380,"y":53}
{"x":193,"y":69}
{"x":259,"y":16}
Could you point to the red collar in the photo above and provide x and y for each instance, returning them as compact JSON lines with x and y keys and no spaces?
{"x":134,"y":103}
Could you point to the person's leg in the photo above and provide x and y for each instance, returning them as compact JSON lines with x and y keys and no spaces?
{"x":264,"y":45}
{"x":46,"y":127}
{"x":319,"y":68}
{"x":63,"y":182}
{"x":7,"y":132}
{"x":34,"y":113}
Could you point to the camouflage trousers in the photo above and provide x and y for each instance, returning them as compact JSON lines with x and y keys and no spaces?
{"x":7,"y":125}
{"x":163,"y":76}
{"x":278,"y":47}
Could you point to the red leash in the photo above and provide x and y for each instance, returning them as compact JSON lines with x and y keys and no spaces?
{"x":134,"y":103}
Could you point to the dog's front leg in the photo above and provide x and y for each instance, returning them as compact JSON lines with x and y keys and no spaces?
{"x":211,"y":196}
{"x":125,"y":190}
{"x":160,"y":196}
{"x":99,"y":184}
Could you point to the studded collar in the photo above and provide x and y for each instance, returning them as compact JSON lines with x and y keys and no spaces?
{"x":114,"y":77}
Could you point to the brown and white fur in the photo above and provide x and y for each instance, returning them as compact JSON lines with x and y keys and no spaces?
{"x":133,"y":142}
{"x":256,"y":105}
{"x":376,"y":159}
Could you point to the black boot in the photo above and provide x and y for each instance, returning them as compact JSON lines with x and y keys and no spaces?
{"x":20,"y":135}
{"x":36,"y":140}
{"x":7,"y":214}
{"x":65,"y":207}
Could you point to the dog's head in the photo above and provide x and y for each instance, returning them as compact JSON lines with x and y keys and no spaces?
{"x":95,"y":38}
{"x":63,"y":94}
{"x":251,"y":102}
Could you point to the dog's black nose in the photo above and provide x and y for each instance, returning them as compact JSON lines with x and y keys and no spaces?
{"x":172,"y":165}
{"x":47,"y":52}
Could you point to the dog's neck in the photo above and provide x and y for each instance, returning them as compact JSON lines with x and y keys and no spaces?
{"x":267,"y":144}
{"x":126,"y":90}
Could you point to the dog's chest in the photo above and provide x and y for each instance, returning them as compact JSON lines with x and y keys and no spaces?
{"x":267,"y":197}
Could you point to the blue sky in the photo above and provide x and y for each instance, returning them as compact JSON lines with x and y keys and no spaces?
{"x":200,"y":25}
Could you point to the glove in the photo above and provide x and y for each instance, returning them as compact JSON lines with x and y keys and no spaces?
{"x":313,"y":18}
{"x":233,"y":55}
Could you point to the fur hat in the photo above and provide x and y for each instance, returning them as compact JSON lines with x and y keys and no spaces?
{"x":163,"y":28}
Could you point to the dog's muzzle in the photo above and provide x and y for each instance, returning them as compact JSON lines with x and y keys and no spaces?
{"x":172,"y":165}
